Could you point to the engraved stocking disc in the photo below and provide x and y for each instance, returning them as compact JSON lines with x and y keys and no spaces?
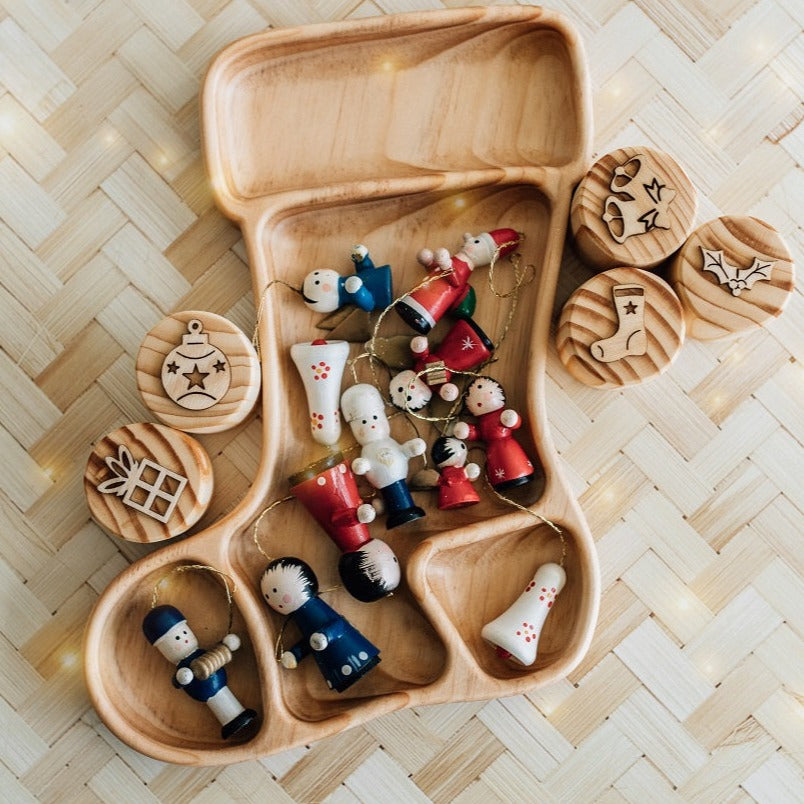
{"x":733,"y":274}
{"x":146,"y":482}
{"x":621,"y":327}
{"x":635,"y":207}
{"x":198,"y":372}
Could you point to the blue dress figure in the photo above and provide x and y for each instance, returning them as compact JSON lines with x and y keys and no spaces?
{"x":342,"y":653}
{"x":166,"y":628}
{"x":369,"y":288}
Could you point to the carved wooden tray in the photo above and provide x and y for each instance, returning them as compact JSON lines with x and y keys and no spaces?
{"x":399,"y":132}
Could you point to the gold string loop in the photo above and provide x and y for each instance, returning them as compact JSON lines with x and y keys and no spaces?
{"x":255,"y":337}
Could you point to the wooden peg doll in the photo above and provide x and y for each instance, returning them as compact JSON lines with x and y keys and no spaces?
{"x":327,"y":488}
{"x":455,"y":489}
{"x":342,"y":653}
{"x":448,"y":287}
{"x":465,"y":347}
{"x":200,"y":673}
{"x":507,"y":465}
{"x":369,"y":288}
{"x":382,"y":460}
{"x":515,"y":633}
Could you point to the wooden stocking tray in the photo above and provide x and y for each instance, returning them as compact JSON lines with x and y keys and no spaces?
{"x":399,"y":132}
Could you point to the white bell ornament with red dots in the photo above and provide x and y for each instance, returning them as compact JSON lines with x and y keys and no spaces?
{"x":196,"y":374}
{"x":321,"y":364}
{"x":515,"y":633}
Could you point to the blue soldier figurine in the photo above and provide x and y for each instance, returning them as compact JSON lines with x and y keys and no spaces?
{"x":166,"y":628}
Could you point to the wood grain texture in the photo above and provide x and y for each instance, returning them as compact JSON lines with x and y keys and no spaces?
{"x":716,"y":85}
{"x":162,"y":493}
{"x":712,"y":307}
{"x":634,"y":207}
{"x":213,"y":379}
{"x":621,"y":327}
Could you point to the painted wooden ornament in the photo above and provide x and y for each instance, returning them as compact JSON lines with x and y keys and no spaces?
{"x":198,"y":372}
{"x":635,"y":206}
{"x":621,"y":327}
{"x":368,"y":567}
{"x":321,"y":364}
{"x":369,"y":288}
{"x":455,"y":476}
{"x":199,"y":673}
{"x":342,"y":653}
{"x":507,"y":466}
{"x":147,"y":482}
{"x":448,"y":275}
{"x":733,"y":274}
{"x":515,"y":633}
{"x":465,"y":347}
{"x":382,"y":460}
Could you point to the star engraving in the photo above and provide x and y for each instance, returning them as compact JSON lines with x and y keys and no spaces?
{"x":499,"y":473}
{"x":219,"y":366}
{"x":630,"y":308}
{"x":195,"y":377}
{"x":172,"y":367}
{"x":467,"y":344}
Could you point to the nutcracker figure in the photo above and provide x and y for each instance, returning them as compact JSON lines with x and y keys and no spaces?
{"x":369,"y":288}
{"x":200,"y":673}
{"x":342,"y":653}
{"x":464,"y":348}
{"x":455,"y":489}
{"x":328,"y":490}
{"x":448,"y":287}
{"x":507,"y":465}
{"x":515,"y":633}
{"x":382,"y":460}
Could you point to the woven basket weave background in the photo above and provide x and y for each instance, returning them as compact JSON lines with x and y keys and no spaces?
{"x":692,"y":688}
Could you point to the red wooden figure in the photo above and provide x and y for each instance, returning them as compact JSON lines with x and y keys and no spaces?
{"x":449,"y":276}
{"x":328,"y":490}
{"x":455,"y":476}
{"x":464,"y":348}
{"x":507,"y":465}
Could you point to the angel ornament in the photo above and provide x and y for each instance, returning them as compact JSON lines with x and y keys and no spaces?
{"x":507,"y":466}
{"x":342,"y":653}
{"x":735,"y":278}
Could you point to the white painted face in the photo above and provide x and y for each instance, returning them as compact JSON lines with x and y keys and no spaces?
{"x":381,"y":563}
{"x":409,"y":392}
{"x":177,"y":643}
{"x":459,"y":453}
{"x":477,"y":249}
{"x":484,"y":396}
{"x":284,"y":589}
{"x":320,"y":290}
{"x":373,"y":426}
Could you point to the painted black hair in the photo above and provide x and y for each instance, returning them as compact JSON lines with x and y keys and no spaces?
{"x":441,"y":449}
{"x":477,"y":382}
{"x":358,"y":581}
{"x":302,"y":567}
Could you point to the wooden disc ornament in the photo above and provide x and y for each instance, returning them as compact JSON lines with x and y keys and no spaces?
{"x":198,"y":372}
{"x":635,"y":206}
{"x":621,"y":327}
{"x":733,"y":274}
{"x":146,"y":482}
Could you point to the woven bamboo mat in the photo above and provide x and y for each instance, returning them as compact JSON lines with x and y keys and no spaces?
{"x":692,"y":688}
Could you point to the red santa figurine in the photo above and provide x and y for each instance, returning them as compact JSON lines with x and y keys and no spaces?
{"x":464,"y":348}
{"x":448,"y":287}
{"x":507,"y":465}
{"x":328,"y":490}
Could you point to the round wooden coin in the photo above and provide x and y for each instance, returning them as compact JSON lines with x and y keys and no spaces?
{"x":733,"y":274}
{"x":621,"y":327}
{"x":634,"y":207}
{"x":146,"y":482}
{"x":198,"y":372}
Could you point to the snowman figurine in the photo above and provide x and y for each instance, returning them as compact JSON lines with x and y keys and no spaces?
{"x":342,"y":653}
{"x":382,"y":460}
{"x":507,"y":466}
{"x":455,"y":476}
{"x":369,"y":288}
{"x":165,"y":627}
